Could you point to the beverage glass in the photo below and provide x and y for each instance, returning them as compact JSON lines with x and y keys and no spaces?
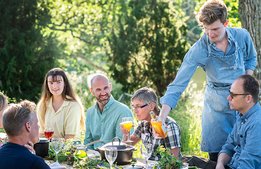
{"x":127,"y":124}
{"x":111,"y":154}
{"x":158,"y":126}
{"x":48,"y":133}
{"x":146,"y":151}
{"x":57,"y":145}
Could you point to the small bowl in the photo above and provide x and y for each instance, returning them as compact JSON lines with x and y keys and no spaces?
{"x":41,"y":148}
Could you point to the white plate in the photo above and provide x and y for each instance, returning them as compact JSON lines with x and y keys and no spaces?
{"x":56,"y":166}
{"x":93,"y":154}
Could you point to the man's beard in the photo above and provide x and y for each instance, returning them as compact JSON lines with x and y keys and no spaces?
{"x":103,"y":101}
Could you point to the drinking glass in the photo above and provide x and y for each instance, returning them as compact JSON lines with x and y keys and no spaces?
{"x":127,"y":124}
{"x":111,"y":154}
{"x":57,"y":145}
{"x":146,"y":151}
{"x":48,"y":133}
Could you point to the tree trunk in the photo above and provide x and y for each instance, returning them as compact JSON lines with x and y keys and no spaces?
{"x":250,"y":14}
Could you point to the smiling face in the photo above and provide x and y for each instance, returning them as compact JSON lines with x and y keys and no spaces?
{"x":142,"y":109}
{"x":101,"y":90}
{"x":55,"y":85}
{"x":215,"y":31}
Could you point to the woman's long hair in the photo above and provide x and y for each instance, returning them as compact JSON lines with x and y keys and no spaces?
{"x":67,"y":94}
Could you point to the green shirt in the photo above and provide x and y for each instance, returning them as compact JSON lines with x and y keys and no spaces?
{"x":105,"y":125}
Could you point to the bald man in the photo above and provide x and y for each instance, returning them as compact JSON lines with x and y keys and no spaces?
{"x":104,"y":117}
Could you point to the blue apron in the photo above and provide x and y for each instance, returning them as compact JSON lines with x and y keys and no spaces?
{"x":217,"y":118}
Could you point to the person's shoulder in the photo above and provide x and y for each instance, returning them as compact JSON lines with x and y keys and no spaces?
{"x":171,"y":122}
{"x":71,"y":102}
{"x":90,"y":111}
{"x":202,"y":42}
{"x":238,"y":32}
{"x":39,"y":163}
{"x":200,"y":46}
{"x":120,"y":105}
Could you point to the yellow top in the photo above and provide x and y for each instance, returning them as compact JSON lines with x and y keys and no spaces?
{"x":65,"y":121}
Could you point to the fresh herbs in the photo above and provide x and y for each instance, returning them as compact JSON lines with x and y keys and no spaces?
{"x":167,"y":160}
{"x":76,"y":158}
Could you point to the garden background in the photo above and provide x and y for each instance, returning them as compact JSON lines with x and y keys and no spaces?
{"x":136,"y":42}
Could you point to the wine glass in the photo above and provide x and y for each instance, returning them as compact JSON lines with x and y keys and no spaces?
{"x":111,"y":154}
{"x":127,"y":124}
{"x":48,"y":133}
{"x":57,"y":145}
{"x":146,"y":151}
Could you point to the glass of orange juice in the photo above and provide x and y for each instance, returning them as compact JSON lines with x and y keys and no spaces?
{"x":127,"y":124}
{"x":157,"y":125}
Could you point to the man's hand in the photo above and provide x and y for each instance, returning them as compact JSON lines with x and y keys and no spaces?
{"x":223,"y":160}
{"x":220,"y":166}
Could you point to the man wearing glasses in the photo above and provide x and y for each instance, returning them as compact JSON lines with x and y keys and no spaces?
{"x":243,"y":146}
{"x":224,"y":53}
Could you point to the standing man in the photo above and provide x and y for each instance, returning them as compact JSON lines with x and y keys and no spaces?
{"x":242,"y":148}
{"x":225,"y":54}
{"x":21,"y":125}
{"x":103,"y":119}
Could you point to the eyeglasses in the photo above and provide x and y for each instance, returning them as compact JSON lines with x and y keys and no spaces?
{"x":139,"y":107}
{"x":236,"y":94}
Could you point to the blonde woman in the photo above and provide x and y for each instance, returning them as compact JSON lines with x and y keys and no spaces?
{"x":59,"y":108}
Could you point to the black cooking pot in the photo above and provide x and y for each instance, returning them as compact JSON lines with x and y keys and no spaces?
{"x":41,"y":148}
{"x":124,"y":151}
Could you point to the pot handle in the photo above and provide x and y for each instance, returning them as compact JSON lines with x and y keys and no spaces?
{"x":117,"y":139}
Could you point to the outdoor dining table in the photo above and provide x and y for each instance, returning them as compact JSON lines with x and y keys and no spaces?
{"x":92,"y":154}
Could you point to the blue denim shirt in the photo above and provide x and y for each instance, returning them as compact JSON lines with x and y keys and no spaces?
{"x":244,"y":142}
{"x":221,"y":70}
{"x":105,"y":125}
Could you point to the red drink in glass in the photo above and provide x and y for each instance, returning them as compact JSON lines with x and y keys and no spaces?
{"x":48,"y":134}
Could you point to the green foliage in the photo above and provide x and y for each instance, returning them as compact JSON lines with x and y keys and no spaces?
{"x":167,"y":160}
{"x":188,"y":116}
{"x":147,"y":44}
{"x":233,"y":14}
{"x":25,"y":53}
{"x":76,"y":158}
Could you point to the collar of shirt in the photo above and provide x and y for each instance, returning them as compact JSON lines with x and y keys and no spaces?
{"x":249,"y":112}
{"x":50,"y":104}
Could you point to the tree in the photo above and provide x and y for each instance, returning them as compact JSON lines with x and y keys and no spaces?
{"x":25,"y":53}
{"x":147,"y":44}
{"x":250,"y":14}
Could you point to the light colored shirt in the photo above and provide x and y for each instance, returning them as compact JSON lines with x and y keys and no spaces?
{"x":244,"y":142}
{"x":65,"y":121}
{"x":105,"y":125}
{"x":221,"y":70}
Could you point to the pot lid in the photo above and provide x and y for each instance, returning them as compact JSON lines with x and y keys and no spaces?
{"x":119,"y":145}
{"x":43,"y":140}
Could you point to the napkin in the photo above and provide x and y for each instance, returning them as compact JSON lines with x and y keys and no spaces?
{"x":56,"y":165}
